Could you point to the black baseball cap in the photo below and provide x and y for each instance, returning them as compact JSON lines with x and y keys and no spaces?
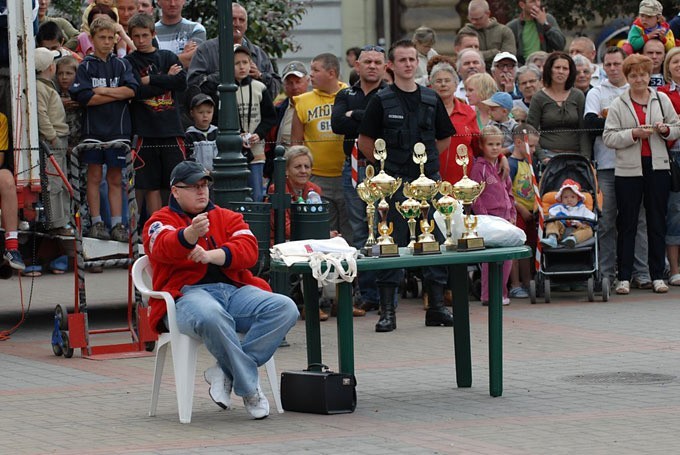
{"x":189,"y":172}
{"x":201,"y":98}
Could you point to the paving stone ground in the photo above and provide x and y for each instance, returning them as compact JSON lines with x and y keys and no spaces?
{"x":579,"y":378}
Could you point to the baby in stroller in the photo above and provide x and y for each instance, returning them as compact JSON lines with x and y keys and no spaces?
{"x":570,"y":203}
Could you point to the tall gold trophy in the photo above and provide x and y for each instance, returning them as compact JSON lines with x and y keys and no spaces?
{"x":423,"y":189}
{"x":370,"y":197}
{"x":385,"y":186}
{"x":466,"y":191}
{"x":445,"y":205}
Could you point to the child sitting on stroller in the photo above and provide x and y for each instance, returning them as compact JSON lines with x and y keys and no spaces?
{"x":570,"y":203}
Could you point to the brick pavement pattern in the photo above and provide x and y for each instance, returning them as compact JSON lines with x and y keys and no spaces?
{"x":579,"y":378}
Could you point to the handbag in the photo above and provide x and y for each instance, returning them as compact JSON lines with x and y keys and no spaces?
{"x":675,"y":173}
{"x":318,"y":392}
{"x":674,"y":166}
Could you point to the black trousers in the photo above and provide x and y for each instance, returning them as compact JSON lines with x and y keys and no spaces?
{"x":652,"y":189}
{"x":401,"y":236}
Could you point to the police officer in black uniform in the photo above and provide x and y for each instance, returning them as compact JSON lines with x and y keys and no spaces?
{"x":404,"y":114}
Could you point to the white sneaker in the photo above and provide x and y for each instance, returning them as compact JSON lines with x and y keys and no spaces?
{"x":220,"y":386}
{"x":623,"y":287}
{"x":659,"y":286}
{"x":256,"y":404}
{"x":506,"y":301}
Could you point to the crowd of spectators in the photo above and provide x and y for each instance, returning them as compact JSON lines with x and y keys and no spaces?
{"x":159,"y":79}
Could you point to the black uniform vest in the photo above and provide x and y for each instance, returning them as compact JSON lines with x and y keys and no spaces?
{"x":402,"y":130}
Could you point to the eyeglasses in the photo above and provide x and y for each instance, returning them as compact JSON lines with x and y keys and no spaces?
{"x":196,"y":188}
{"x":372,"y":47}
{"x":528,"y":82}
{"x":505,"y":66}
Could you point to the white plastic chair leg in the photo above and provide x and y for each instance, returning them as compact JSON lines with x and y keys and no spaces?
{"x":270,"y":366}
{"x":161,"y":351}
{"x":184,"y":356}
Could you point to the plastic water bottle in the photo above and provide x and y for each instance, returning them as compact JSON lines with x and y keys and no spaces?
{"x":313,"y":197}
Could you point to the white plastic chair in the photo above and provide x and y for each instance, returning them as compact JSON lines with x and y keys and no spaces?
{"x":184,"y":350}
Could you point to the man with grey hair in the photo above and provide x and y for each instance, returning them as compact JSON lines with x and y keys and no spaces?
{"x":529,"y":81}
{"x":470,"y":61}
{"x":205,"y":66}
{"x":582,"y":45}
{"x":493,"y":37}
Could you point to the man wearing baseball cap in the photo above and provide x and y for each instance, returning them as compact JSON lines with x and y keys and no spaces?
{"x":201,"y":254}
{"x":295,"y":82}
{"x":504,"y":70}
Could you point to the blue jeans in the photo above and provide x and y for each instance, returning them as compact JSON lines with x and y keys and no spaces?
{"x":216,"y":313}
{"x":356,"y":215}
{"x":255,"y":180}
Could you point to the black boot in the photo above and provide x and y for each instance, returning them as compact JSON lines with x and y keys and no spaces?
{"x":437,"y":314}
{"x":388,"y":319}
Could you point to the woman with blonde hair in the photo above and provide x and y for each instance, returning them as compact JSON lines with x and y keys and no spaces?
{"x":479,"y":87}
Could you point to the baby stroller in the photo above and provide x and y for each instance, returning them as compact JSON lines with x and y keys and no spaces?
{"x":563,"y":265}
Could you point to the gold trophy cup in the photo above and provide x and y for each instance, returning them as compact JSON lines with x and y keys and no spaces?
{"x":423,"y":189}
{"x":385,"y":186}
{"x":369,"y":196}
{"x":466,"y":191}
{"x":445,"y":205}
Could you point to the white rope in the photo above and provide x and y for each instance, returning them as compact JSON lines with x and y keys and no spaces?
{"x":335,"y":271}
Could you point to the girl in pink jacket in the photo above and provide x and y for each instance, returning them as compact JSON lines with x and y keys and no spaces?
{"x":496,"y":199}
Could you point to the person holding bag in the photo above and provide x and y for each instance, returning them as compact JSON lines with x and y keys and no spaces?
{"x":638,"y":125}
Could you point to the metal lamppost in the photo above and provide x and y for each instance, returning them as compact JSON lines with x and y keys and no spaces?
{"x":230,"y":166}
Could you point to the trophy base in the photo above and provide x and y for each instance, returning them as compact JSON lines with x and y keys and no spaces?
{"x":450,"y":247}
{"x":421,"y":248}
{"x":367,"y":251}
{"x":385,"y":250}
{"x":471,"y":244}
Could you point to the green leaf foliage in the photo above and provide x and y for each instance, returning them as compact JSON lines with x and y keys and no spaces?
{"x":269,"y":21}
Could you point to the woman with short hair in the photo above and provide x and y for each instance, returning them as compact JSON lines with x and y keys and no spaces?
{"x":638,"y":125}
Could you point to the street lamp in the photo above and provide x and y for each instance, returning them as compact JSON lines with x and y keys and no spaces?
{"x":230,"y":166}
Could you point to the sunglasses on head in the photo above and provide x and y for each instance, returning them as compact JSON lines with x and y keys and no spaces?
{"x":372,"y":47}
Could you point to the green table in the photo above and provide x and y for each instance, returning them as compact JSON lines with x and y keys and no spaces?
{"x":457,"y":263}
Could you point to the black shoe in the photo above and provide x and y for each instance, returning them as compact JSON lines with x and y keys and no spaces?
{"x":368,"y":306}
{"x":386,"y":324}
{"x":436,"y":317}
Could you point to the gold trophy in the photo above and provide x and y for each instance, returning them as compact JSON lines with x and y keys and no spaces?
{"x":466,"y":191}
{"x":385,"y":186}
{"x":369,"y":196}
{"x":445,"y":205}
{"x":423,"y":189}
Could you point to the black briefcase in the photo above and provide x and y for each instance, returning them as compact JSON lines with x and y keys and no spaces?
{"x":318,"y":392}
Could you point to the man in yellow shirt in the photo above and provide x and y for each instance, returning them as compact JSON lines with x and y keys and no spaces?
{"x":312,"y":127}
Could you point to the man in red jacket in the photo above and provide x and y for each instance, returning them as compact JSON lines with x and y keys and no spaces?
{"x":201,"y":254}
